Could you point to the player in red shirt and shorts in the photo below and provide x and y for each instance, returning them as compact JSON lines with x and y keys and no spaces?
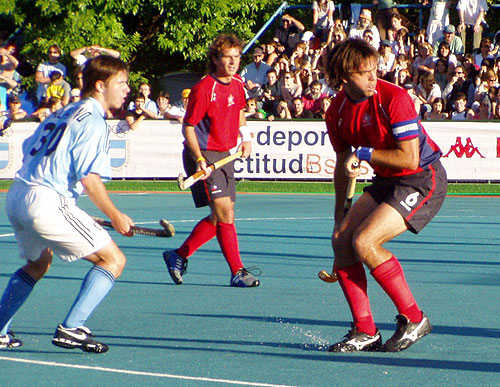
{"x":214,"y":119}
{"x":374,"y":121}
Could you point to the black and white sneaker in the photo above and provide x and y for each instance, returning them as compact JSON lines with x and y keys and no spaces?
{"x":9,"y":341}
{"x":358,"y":341}
{"x":80,"y":337}
{"x":407,"y":333}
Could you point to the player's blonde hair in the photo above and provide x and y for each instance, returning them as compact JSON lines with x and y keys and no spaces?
{"x":100,"y":68}
{"x":345,"y":58}
{"x":222,"y":42}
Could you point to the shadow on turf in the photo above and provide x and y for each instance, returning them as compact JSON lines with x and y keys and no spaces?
{"x":371,"y":358}
{"x":395,"y":359}
{"x":444,"y":330}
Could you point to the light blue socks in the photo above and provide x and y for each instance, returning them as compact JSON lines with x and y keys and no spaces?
{"x":97,"y":283}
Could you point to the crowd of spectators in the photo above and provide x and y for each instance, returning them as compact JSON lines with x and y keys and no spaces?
{"x":451,"y":72}
{"x":55,"y":89}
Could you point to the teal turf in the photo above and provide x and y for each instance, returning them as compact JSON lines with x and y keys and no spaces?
{"x":275,"y":334}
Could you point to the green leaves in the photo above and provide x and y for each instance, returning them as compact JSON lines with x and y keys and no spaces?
{"x":155,"y":36}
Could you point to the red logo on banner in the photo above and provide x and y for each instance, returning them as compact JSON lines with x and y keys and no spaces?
{"x":468,"y":150}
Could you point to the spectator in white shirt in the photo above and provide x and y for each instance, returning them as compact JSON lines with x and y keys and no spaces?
{"x":471,"y":15}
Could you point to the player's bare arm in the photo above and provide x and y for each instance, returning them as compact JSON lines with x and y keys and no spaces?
{"x":193,"y":145}
{"x":97,"y":192}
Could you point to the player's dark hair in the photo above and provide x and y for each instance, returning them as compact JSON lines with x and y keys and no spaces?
{"x":222,"y":42}
{"x":347,"y":57}
{"x":100,"y":68}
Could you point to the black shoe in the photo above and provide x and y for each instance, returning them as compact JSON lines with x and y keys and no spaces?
{"x":80,"y":337}
{"x":9,"y":341}
{"x":407,"y":333}
{"x":358,"y":341}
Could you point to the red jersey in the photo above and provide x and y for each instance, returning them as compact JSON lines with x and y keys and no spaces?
{"x":214,"y":111}
{"x":379,"y":122}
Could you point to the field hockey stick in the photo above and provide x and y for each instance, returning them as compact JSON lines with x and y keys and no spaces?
{"x":188,"y":182}
{"x":167,"y":231}
{"x":351,"y":187}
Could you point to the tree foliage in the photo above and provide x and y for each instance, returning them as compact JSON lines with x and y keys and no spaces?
{"x":155,"y":36}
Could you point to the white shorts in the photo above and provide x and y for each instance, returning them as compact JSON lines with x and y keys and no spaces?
{"x":42,"y":218}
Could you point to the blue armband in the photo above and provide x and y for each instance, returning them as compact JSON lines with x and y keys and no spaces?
{"x":364,"y":153}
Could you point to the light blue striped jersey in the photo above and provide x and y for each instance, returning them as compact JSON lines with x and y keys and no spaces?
{"x":67,"y":146}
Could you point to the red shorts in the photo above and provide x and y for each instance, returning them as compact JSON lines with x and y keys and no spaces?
{"x":417,"y":197}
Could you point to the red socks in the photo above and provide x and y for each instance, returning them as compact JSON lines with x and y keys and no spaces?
{"x":390,"y":277}
{"x":226,"y":236}
{"x":201,"y":234}
{"x":228,"y":242}
{"x":352,"y":279}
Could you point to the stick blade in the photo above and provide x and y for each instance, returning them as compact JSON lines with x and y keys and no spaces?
{"x":169,"y":228}
{"x":180,"y":182}
{"x":327,"y":277}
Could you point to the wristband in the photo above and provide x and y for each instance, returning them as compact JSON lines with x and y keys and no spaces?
{"x":364,"y":153}
{"x":201,"y":158}
{"x":245,"y":133}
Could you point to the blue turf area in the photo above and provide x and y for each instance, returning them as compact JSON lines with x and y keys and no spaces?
{"x":207,"y":333}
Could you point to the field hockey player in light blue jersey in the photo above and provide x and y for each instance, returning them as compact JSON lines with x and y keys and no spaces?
{"x":66,"y":155}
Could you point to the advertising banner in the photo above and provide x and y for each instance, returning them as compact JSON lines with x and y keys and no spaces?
{"x":296,"y":150}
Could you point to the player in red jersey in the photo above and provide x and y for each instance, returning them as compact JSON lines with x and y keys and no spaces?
{"x":374,"y":121}
{"x":214,"y":118}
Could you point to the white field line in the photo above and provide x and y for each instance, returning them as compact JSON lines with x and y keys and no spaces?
{"x":137,"y":373}
{"x":292,"y":218}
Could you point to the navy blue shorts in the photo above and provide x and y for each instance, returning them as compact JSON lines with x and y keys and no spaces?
{"x":219,"y":184}
{"x":417,"y":197}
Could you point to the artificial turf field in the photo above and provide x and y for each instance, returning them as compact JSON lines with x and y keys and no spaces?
{"x":207,"y":333}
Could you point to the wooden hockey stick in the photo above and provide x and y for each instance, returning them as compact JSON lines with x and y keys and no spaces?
{"x":189,"y":181}
{"x":167,"y":231}
{"x":351,"y":187}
